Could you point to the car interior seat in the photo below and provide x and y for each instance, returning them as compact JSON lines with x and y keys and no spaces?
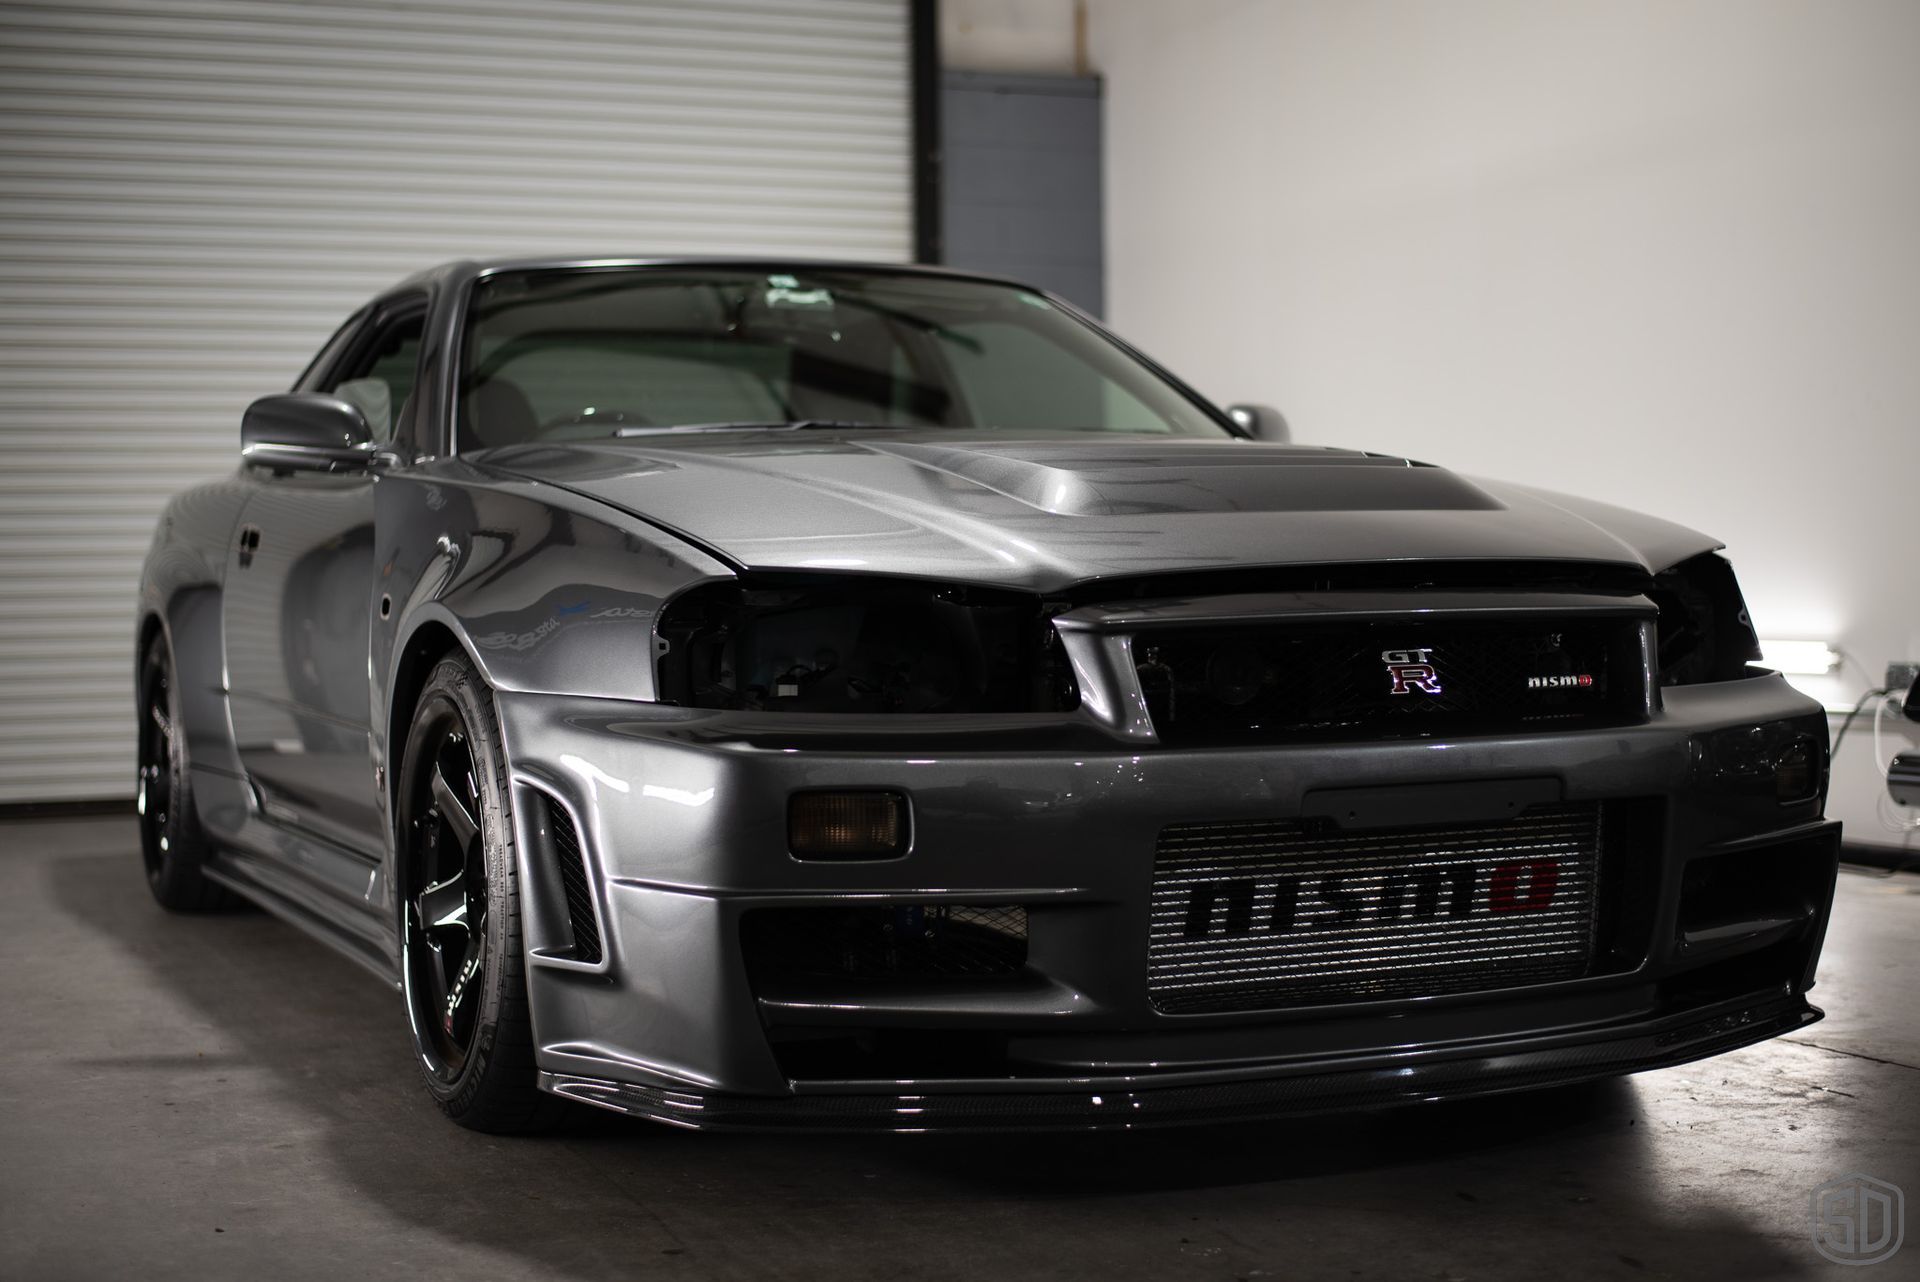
{"x":496,"y":412}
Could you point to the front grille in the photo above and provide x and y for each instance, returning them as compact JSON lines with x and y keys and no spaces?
{"x":1268,"y":914}
{"x":1260,"y":683}
{"x":887,"y":941}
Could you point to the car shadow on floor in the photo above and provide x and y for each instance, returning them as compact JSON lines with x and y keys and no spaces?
{"x":1575,"y":1168}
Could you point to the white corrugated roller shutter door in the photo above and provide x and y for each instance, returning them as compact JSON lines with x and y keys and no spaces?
{"x":194,"y":193}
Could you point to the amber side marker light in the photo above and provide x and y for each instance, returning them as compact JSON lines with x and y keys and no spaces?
{"x":1786,"y":758}
{"x":847,"y":825}
{"x":1796,"y":777}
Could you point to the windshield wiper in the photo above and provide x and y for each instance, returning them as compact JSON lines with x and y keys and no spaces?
{"x":779,"y":425}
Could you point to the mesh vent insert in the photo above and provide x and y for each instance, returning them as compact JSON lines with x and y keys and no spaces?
{"x":1270,"y":914}
{"x":573,"y":878}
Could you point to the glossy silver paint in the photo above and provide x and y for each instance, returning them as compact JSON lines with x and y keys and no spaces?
{"x":303,"y":607}
{"x":305,"y":430}
{"x":1043,"y":514}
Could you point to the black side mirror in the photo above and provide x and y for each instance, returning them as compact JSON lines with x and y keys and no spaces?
{"x":1911,"y":704}
{"x":308,"y":430}
{"x":1261,"y":422}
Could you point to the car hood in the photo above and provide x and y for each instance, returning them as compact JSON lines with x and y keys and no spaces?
{"x":1046,"y":512}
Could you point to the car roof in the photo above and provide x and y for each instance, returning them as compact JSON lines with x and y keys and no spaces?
{"x":752,"y":262}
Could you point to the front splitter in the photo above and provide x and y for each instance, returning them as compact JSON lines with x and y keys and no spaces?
{"x":1083,"y":1104}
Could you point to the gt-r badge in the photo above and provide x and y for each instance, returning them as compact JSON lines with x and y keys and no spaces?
{"x":1411,"y":670}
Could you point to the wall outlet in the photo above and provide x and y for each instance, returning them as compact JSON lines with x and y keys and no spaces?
{"x":1901,"y":675}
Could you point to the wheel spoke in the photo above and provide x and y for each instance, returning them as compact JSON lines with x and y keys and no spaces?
{"x":454,"y":810}
{"x":443,"y":905}
{"x":465,"y":981}
{"x":434,"y":967}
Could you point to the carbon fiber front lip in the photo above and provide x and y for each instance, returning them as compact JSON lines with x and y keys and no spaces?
{"x":1038,"y":1104}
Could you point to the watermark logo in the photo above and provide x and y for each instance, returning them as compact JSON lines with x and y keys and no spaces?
{"x":1858,"y":1219}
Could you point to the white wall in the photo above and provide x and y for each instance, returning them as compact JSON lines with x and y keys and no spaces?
{"x":1660,"y":252}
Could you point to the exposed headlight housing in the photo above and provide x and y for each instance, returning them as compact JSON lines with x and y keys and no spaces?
{"x":1705,"y":634}
{"x":845,"y":644}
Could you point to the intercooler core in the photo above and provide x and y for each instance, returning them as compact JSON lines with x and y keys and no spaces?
{"x":1270,"y":914}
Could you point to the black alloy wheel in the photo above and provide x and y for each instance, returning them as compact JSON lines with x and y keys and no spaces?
{"x":153,"y":801}
{"x":172,"y":846}
{"x":463,"y":968}
{"x":446,"y":893}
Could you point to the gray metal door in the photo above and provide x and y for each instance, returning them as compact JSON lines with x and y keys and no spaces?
{"x":1021,"y":180}
{"x":299,"y":607}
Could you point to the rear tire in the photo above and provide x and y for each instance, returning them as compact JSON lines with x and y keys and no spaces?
{"x":172,"y":844}
{"x":463,"y":964}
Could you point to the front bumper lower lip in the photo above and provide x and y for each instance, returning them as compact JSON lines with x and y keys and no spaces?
{"x":1525,"y":1062}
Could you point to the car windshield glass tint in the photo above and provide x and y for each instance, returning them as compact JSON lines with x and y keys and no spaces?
{"x":577,"y":354}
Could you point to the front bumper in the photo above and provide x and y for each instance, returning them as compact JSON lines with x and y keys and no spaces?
{"x":682,"y":819}
{"x":1258,"y":1093}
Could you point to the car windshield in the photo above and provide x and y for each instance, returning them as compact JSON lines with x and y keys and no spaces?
{"x":581,"y":353}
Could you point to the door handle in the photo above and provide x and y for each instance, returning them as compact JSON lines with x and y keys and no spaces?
{"x":249,"y":544}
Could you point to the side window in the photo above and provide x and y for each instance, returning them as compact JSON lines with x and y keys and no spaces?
{"x":343,"y":339}
{"x":380,"y":378}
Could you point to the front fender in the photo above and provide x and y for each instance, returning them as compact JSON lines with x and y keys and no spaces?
{"x":550,"y":591}
{"x":181,"y":586}
{"x":547,"y":591}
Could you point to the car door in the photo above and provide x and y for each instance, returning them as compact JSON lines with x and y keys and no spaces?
{"x":298,"y":612}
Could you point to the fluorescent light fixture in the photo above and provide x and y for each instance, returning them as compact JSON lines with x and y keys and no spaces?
{"x":1804,"y":658}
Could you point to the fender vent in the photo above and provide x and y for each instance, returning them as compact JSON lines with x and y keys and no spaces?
{"x":573,"y":876}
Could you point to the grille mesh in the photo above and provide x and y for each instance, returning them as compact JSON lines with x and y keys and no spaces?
{"x":1257,"y":915}
{"x":1225,"y":685}
{"x":573,"y":876}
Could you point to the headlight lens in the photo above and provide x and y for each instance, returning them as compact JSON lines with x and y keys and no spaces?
{"x":1705,"y":634}
{"x":822,"y":644}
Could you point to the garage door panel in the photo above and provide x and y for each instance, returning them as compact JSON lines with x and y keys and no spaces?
{"x":194,"y":193}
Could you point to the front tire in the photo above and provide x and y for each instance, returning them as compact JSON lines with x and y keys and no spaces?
{"x":172,"y":845}
{"x":463,"y":966}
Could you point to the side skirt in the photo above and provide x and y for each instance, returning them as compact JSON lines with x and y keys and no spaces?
{"x":242,"y":875}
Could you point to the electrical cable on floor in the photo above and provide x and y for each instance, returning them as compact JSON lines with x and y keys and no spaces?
{"x":1834,"y":749}
{"x":1907,"y":860}
{"x":1891,"y":822}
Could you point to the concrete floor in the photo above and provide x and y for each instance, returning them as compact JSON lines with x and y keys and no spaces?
{"x":219,"y":1097}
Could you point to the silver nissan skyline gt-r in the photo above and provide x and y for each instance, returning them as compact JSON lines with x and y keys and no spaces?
{"x":842,"y":697}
